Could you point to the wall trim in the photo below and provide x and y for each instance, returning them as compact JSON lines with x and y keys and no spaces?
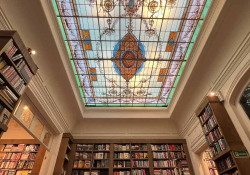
{"x":55,"y":29}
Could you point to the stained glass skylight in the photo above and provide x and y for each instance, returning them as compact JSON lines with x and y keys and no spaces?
{"x":129,"y":52}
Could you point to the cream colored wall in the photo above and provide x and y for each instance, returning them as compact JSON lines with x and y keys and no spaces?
{"x":15,"y":131}
{"x":126,"y":128}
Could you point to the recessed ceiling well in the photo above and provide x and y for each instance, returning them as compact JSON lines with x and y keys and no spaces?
{"x":129,"y":52}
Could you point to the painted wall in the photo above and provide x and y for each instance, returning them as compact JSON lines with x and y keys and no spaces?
{"x":126,"y":128}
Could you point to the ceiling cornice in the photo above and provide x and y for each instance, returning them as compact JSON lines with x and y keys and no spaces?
{"x":55,"y":29}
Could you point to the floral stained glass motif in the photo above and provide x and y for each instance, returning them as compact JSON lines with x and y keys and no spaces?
{"x":129,"y":52}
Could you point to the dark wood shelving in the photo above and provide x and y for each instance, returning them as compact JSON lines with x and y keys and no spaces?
{"x":111,"y":169}
{"x":6,"y":39}
{"x":229,"y":134}
{"x":229,"y":169}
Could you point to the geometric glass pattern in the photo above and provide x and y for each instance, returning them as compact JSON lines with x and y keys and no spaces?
{"x":129,"y":52}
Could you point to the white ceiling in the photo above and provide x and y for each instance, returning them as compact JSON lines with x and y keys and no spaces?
{"x":221,"y":34}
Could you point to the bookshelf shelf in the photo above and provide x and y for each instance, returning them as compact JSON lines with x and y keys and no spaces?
{"x":229,"y":169}
{"x":222,"y":137}
{"x":135,"y":161}
{"x":14,"y":77}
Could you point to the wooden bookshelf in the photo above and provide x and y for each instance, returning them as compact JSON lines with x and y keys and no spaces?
{"x":222,"y":137}
{"x":35,"y":169}
{"x":14,"y":77}
{"x":130,"y":153}
{"x":63,"y":157}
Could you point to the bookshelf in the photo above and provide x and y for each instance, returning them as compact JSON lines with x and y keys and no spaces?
{"x":16,"y":71}
{"x":129,"y":157}
{"x":63,"y":158}
{"x":21,"y":156}
{"x":222,"y":138}
{"x":207,"y":158}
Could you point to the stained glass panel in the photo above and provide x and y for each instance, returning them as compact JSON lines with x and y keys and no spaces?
{"x":129,"y":52}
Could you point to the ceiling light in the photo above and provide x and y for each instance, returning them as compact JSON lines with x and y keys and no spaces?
{"x":212,"y":93}
{"x":25,"y":107}
{"x":33,"y":52}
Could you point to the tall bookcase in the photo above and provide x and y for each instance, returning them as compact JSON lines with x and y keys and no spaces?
{"x":22,"y":156}
{"x":129,"y":156}
{"x":62,"y":162}
{"x":16,"y":71}
{"x":222,"y":137}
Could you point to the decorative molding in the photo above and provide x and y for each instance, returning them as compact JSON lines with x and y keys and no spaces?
{"x":55,"y":29}
{"x":234,"y":62}
{"x":45,"y":99}
{"x":4,"y":23}
{"x":41,"y":92}
{"x":196,"y":50}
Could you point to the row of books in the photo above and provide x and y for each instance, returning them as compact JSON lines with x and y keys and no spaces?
{"x":206,"y":114}
{"x":169,"y":147}
{"x":139,"y":147}
{"x":175,"y":171}
{"x":19,"y":148}
{"x":82,"y":172}
{"x":17,"y":156}
{"x":180,"y":171}
{"x":214,"y":135}
{"x":213,"y":172}
{"x":12,"y":76}
{"x":142,"y":155}
{"x":84,"y":147}
{"x":123,"y":155}
{"x":24,"y":69}
{"x":170,"y":163}
{"x":219,"y":146}
{"x":101,"y":155}
{"x":207,"y":155}
{"x":83,"y":155}
{"x":226,"y":163}
{"x":101,"y":147}
{"x":122,"y":173}
{"x":7,"y":172}
{"x":210,"y":124}
{"x":8,"y":95}
{"x":162,"y":172}
{"x":4,"y":115}
{"x":11,"y":49}
{"x":82,"y":164}
{"x":119,"y":147}
{"x":177,"y":155}
{"x":140,"y":172}
{"x":140,"y":163}
{"x":210,"y":163}
{"x":100,"y":163}
{"x":120,"y":164}
{"x":236,"y":172}
{"x":22,"y":164}
{"x":160,"y":155}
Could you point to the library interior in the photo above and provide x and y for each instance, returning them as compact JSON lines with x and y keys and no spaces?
{"x":124,"y":87}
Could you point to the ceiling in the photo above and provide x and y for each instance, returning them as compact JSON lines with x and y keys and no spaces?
{"x":214,"y":47}
{"x":129,"y":53}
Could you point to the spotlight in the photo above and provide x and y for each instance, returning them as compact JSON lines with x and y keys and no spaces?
{"x":25,"y":107}
{"x":212,"y":93}
{"x":31,"y":51}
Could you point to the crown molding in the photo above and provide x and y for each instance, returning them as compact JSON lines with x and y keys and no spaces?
{"x":4,"y":23}
{"x":41,"y":93}
{"x":57,"y":34}
{"x":201,"y":40}
{"x":45,"y":99}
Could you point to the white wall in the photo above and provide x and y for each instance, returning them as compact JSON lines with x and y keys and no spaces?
{"x":125,"y":128}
